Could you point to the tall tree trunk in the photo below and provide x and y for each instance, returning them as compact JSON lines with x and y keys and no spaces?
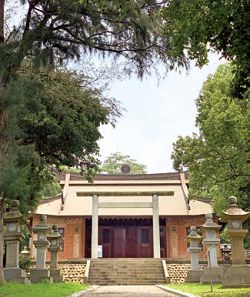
{"x":2,"y":21}
{"x":3,"y":146}
{"x":2,"y":279}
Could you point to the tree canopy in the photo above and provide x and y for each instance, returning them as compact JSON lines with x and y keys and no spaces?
{"x":56,"y":122}
{"x":194,"y":28}
{"x":60,"y":128}
{"x":217,"y":157}
{"x":53,"y":121}
{"x":113,"y":163}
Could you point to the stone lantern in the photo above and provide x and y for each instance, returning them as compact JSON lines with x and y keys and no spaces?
{"x":238,"y":274}
{"x":54,"y":248}
{"x":12,"y":237}
{"x":40,"y":272}
{"x":212,"y":273}
{"x":194,"y":239}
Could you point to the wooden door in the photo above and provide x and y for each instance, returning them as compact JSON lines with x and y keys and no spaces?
{"x":105,"y":241}
{"x":119,"y":242}
{"x":163,"y":241}
{"x":144,"y":242}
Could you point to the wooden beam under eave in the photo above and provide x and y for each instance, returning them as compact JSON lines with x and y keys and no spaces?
{"x":124,"y":194}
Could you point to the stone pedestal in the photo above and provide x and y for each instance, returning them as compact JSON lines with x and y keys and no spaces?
{"x":12,"y":237}
{"x":194,"y":276}
{"x":237,"y":245}
{"x":56,"y":275}
{"x":194,"y":239}
{"x":41,"y":273}
{"x":16,"y":275}
{"x":37,"y":275}
{"x":238,"y":275}
{"x":54,"y":248}
{"x":213,"y":273}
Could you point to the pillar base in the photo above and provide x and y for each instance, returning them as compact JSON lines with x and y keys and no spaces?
{"x":39,"y":275}
{"x":16,"y":275}
{"x":215,"y":275}
{"x":237,"y":276}
{"x":56,"y":275}
{"x":194,"y":276}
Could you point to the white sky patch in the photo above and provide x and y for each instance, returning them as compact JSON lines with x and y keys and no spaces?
{"x":156,"y":115}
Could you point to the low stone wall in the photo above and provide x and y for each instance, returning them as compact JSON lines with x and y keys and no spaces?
{"x":73,"y":273}
{"x":178,"y":272}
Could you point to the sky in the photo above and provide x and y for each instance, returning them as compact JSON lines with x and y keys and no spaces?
{"x":156,"y":114}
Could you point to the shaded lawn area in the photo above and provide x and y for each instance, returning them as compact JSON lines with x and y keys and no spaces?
{"x":40,"y":290}
{"x":204,"y":290}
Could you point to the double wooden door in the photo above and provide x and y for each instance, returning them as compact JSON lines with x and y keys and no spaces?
{"x":122,"y":242}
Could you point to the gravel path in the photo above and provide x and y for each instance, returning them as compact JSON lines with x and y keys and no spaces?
{"x":127,"y":291}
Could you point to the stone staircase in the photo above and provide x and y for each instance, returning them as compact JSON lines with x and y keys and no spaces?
{"x":126,"y":272}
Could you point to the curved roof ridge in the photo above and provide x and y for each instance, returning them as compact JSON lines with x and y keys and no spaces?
{"x":175,"y":175}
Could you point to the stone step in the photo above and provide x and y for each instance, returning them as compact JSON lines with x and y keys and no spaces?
{"x":126,"y":272}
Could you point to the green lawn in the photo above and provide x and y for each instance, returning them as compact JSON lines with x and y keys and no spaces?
{"x":204,"y":290}
{"x":40,"y":290}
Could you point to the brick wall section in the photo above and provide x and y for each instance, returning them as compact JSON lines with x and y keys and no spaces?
{"x":177,"y":236}
{"x":74,"y":236}
{"x":74,"y":246}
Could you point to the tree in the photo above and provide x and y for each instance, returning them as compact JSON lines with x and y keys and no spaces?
{"x":56,"y":122}
{"x":52,"y":33}
{"x":193,"y":28}
{"x":113,"y":163}
{"x":55,"y":31}
{"x":218,"y":156}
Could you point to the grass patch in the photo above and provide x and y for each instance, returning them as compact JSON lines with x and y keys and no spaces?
{"x":40,"y":290}
{"x":204,"y":290}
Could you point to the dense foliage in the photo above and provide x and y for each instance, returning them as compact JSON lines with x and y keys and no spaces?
{"x":113,"y":163}
{"x":218,"y":156}
{"x":194,"y":28}
{"x":44,"y":121}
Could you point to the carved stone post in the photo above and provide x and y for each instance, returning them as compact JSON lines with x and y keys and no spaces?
{"x":41,"y":273}
{"x":12,"y":237}
{"x":213,"y":273}
{"x":54,"y":248}
{"x":194,"y":238}
{"x":238,"y":274}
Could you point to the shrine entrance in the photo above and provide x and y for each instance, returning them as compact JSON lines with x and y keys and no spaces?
{"x":126,"y":238}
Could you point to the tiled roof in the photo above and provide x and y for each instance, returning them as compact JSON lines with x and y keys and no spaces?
{"x":76,"y":197}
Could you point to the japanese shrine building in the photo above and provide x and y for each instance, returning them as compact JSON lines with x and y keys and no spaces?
{"x":123,"y":216}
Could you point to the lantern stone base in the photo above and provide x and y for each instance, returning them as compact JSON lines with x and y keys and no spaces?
{"x":237,"y":276}
{"x":213,"y":274}
{"x":16,"y":275}
{"x":193,"y":276}
{"x":39,"y":275}
{"x":56,"y":275}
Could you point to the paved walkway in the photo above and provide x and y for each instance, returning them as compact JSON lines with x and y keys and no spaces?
{"x":127,"y":291}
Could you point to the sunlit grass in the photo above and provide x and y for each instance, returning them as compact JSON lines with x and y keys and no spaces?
{"x":40,"y":290}
{"x":205,"y":290}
